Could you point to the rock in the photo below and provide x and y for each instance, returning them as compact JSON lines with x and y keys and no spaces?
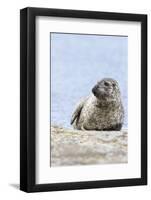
{"x":75,"y":147}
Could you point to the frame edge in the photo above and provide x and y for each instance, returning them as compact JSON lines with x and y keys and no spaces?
{"x":23,"y":99}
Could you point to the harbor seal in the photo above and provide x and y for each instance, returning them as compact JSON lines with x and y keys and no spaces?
{"x":102,"y":110}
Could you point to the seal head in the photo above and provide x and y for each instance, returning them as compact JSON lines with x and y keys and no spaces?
{"x":106,"y":90}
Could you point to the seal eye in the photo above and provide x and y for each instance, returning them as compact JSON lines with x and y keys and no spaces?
{"x":106,"y":83}
{"x":114,"y":84}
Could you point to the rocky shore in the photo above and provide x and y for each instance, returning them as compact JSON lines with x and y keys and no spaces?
{"x":74,"y":147}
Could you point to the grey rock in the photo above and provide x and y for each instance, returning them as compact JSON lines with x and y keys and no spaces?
{"x":76,"y":147}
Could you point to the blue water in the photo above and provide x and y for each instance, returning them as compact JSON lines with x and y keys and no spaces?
{"x":77,"y":63}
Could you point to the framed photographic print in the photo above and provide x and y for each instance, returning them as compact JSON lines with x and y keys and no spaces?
{"x":83,"y":99}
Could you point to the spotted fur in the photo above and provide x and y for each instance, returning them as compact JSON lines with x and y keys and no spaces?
{"x":102,"y":110}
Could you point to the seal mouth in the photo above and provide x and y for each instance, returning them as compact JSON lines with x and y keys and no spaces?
{"x":101,"y":92}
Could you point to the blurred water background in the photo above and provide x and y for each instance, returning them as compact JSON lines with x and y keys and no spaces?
{"x":77,"y":63}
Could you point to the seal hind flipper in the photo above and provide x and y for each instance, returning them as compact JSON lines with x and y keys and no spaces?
{"x":116,"y":127}
{"x":77,"y":111}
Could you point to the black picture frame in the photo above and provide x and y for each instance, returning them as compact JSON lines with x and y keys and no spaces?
{"x":28,"y":99}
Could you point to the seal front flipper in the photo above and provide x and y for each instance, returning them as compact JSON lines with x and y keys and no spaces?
{"x":77,"y":111}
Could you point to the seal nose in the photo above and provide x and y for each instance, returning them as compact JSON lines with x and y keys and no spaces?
{"x":94,"y":89}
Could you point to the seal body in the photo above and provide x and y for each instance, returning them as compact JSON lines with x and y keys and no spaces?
{"x":102,"y":110}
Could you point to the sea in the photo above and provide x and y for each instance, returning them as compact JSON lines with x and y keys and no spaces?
{"x":77,"y":62}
